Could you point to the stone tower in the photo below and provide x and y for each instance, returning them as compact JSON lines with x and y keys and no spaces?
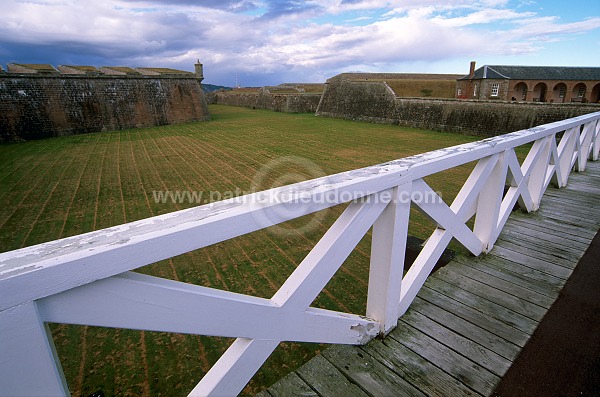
{"x":199,"y":71}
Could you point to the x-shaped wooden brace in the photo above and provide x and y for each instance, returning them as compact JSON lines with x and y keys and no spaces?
{"x":137,"y":301}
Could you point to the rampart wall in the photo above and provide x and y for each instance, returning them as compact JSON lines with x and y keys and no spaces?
{"x":264,"y":99}
{"x":375,"y":102}
{"x":37,"y":106}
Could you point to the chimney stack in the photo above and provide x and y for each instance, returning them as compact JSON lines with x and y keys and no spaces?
{"x":199,"y":71}
{"x":472,"y":70}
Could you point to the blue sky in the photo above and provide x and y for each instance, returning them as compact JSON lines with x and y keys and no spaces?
{"x":266,"y":42}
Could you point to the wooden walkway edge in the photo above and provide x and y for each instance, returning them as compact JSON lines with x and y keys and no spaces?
{"x":472,"y":317}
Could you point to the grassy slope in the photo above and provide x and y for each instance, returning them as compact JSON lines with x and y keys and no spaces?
{"x":64,"y":186}
{"x":423,"y":88}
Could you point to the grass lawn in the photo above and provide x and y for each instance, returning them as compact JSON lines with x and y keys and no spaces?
{"x":64,"y":186}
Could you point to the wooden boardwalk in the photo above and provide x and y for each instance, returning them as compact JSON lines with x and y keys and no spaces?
{"x":472,"y":317}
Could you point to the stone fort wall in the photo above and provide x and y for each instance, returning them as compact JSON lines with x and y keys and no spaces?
{"x":42,"y":105}
{"x":376,"y":102}
{"x":265,"y":99}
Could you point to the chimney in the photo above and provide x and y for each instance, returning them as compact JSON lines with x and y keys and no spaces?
{"x":472,"y":70}
{"x":199,"y":71}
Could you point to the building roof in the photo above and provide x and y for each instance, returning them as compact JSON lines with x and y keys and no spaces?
{"x":535,"y":73}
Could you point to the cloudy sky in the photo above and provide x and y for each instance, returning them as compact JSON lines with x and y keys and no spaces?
{"x":268,"y":42}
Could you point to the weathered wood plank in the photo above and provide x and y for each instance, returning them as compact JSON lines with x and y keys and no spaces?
{"x":577,"y":198}
{"x":471,"y":315}
{"x":573,"y":191}
{"x":483,"y":305}
{"x":589,"y":215}
{"x":574,"y":220}
{"x":291,"y":386}
{"x":475,"y":352}
{"x":552,"y":226}
{"x":538,"y":264}
{"x":495,"y":282}
{"x":492,"y":294}
{"x":516,"y":274}
{"x":582,"y":186}
{"x":469,"y":330}
{"x":569,"y":263}
{"x":371,"y":375}
{"x":469,"y":373}
{"x":327,"y":380}
{"x":516,"y":231}
{"x":415,"y":369}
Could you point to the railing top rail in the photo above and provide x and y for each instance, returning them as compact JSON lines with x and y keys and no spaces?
{"x":49,"y":268}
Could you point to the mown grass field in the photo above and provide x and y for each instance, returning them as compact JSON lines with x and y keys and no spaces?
{"x":65,"y":186}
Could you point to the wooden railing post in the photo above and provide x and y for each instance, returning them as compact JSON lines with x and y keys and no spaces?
{"x":595,"y":142}
{"x":29,"y":365}
{"x":388,"y":248}
{"x":489,"y":203}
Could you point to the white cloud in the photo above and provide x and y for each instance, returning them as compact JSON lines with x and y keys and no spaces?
{"x":275,"y":38}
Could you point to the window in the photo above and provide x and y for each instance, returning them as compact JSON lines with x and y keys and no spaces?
{"x":562,"y":92}
{"x":581,"y":92}
{"x":495,"y":89}
{"x":475,"y":91}
{"x":459,"y":92}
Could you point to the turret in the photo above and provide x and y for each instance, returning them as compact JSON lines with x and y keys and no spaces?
{"x":199,"y":71}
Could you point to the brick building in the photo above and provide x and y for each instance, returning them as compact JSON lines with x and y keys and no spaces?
{"x":557,"y":84}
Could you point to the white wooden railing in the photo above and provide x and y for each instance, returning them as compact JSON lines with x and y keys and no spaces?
{"x":86,"y":279}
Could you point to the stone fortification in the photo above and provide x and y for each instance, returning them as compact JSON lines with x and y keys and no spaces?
{"x":38,"y":101}
{"x":269,"y":99}
{"x":375,"y":101}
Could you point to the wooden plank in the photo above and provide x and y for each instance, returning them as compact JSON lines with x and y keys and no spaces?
{"x":527,"y":242}
{"x":291,"y":386}
{"x":475,"y":352}
{"x":582,"y":186}
{"x":564,"y":217}
{"x":327,"y":380}
{"x":534,"y":263}
{"x":415,"y":369}
{"x":579,"y":198}
{"x":492,"y":294}
{"x":469,"y":373}
{"x":514,"y":273}
{"x":518,"y":231}
{"x":551,"y":226}
{"x":438,"y":301}
{"x":523,"y":293}
{"x":526,"y":272}
{"x":469,"y":330}
{"x":372,"y":376}
{"x":582,"y":211}
{"x":547,"y":257}
{"x":483,"y":305}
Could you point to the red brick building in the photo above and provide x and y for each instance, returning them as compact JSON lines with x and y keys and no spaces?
{"x":556,"y":84}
